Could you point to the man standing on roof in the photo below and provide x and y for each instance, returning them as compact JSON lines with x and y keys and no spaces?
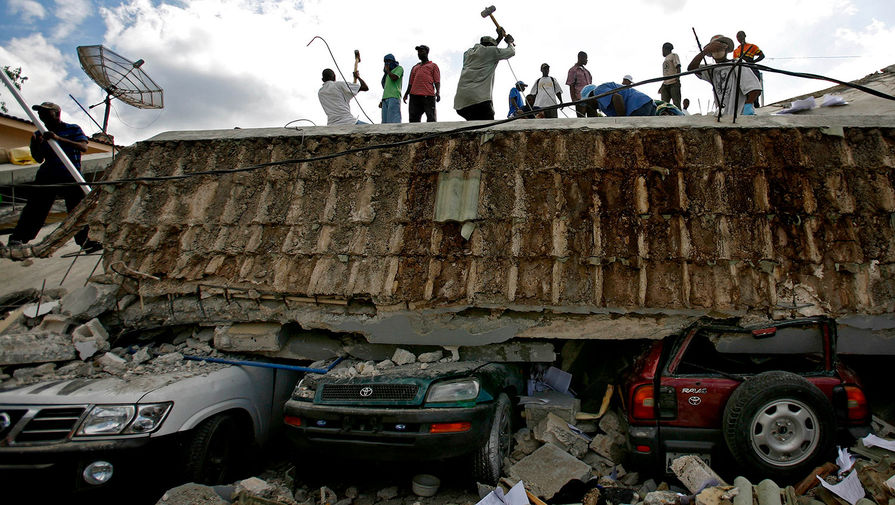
{"x":335,"y":98}
{"x":624,"y":102}
{"x":724,"y":79}
{"x":670,"y":90}
{"x":517,"y":103}
{"x":473,"y":98}
{"x":750,"y":54}
{"x":73,"y":142}
{"x":392,"y":81}
{"x":578,"y":78}
{"x":424,"y":88}
{"x":547,"y":91}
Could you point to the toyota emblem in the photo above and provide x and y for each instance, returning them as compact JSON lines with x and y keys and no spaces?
{"x":694,"y":400}
{"x":5,"y":421}
{"x":366,"y":391}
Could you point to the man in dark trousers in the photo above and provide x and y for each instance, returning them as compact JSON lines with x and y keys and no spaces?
{"x":473,"y":98}
{"x":73,"y":142}
{"x":424,"y":87}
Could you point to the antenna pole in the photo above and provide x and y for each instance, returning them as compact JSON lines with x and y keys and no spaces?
{"x":85,"y":111}
{"x":108,"y":101}
{"x":40,"y":126}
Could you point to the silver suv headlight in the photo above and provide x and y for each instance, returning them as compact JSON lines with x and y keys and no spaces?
{"x":453,"y":391}
{"x":123,"y":419}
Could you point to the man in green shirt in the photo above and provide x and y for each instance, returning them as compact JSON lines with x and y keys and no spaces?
{"x":392,"y":80}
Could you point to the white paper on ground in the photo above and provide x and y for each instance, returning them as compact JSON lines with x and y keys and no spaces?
{"x":850,"y":489}
{"x":872,"y":440}
{"x":830,"y":100}
{"x":799,"y":106}
{"x":515,"y":496}
{"x":844,"y":460}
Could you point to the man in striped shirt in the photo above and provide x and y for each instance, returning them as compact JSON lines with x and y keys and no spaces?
{"x":751,"y":54}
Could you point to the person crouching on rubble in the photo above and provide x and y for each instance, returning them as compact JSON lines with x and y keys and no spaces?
{"x":624,"y":102}
{"x":725,"y":83}
{"x":73,"y":142}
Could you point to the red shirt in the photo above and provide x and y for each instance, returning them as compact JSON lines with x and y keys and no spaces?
{"x":423,"y":77}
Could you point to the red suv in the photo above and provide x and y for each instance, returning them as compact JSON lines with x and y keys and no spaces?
{"x":775,"y":398}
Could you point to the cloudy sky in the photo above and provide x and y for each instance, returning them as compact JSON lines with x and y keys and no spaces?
{"x":245,"y":63}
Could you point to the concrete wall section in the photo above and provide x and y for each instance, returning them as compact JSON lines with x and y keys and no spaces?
{"x":770,"y":216}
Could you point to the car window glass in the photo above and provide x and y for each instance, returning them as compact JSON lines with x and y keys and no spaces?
{"x":794,"y":349}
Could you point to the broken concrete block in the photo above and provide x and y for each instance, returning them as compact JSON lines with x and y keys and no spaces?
{"x":55,"y":323}
{"x":361,"y":349}
{"x":249,"y":337}
{"x":26,"y":374}
{"x":172,"y":358}
{"x":27,"y":348}
{"x":166,"y":348}
{"x":111,"y":363}
{"x":547,"y":470}
{"x":90,"y":338}
{"x":253,"y":486}
{"x":205,"y":335}
{"x":510,"y":352}
{"x":385,"y":364}
{"x":403,"y":357}
{"x":611,"y":422}
{"x":661,"y":498}
{"x":695,"y":474}
{"x":89,"y":301}
{"x":525,"y":444}
{"x":562,"y":405}
{"x":611,"y":447}
{"x":716,"y":495}
{"x":387,"y":493}
{"x":141,"y":356}
{"x":75,"y":369}
{"x":554,"y":430}
{"x":191,"y":493}
{"x":430,"y":357}
{"x":306,"y":345}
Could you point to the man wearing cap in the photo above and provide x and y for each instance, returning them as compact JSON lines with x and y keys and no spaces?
{"x":726,"y":92}
{"x":670,"y":90}
{"x":73,"y":142}
{"x":547,"y":91}
{"x":392,"y":81}
{"x":335,"y":98}
{"x":473,"y":98}
{"x":624,"y":102}
{"x":627,"y":80}
{"x":517,"y":103}
{"x":424,"y":88}
{"x":578,"y":78}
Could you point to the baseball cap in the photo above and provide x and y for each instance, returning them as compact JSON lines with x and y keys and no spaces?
{"x":422,"y":46}
{"x":48,"y":106}
{"x":628,"y":77}
{"x":520,"y":83}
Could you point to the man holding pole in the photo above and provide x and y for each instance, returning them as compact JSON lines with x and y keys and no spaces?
{"x":72,"y":142}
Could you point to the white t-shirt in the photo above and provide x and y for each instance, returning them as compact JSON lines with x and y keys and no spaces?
{"x":670,"y":66}
{"x":335,"y":98}
{"x":547,"y":88}
{"x":726,"y":86}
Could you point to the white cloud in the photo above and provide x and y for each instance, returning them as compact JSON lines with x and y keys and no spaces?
{"x":28,"y":9}
{"x":70,"y":14}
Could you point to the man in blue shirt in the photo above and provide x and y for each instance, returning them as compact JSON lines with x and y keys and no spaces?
{"x":624,"y":102}
{"x":73,"y":142}
{"x":516,"y":100}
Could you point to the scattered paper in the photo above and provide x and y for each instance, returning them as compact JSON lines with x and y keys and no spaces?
{"x":830,"y":100}
{"x":891,"y":484}
{"x":515,"y":496}
{"x":557,"y":379}
{"x":36,"y":310}
{"x":872,"y":440}
{"x":845,"y":460}
{"x":850,"y":489}
{"x":799,"y":106}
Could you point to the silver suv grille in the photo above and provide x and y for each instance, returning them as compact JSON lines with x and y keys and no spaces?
{"x":400,"y":392}
{"x":28,"y":425}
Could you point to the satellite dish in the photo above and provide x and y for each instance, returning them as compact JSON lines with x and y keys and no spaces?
{"x":120,"y":78}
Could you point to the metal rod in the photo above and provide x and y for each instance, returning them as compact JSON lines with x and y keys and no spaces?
{"x":262,"y":364}
{"x":42,"y":129}
{"x":85,"y":111}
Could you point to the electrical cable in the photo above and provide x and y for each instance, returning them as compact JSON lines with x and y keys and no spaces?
{"x":462,"y":129}
{"x":336,"y":63}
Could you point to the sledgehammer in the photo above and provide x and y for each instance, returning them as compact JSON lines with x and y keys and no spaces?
{"x":489,"y":12}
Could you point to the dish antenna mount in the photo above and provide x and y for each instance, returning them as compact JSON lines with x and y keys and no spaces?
{"x":120,"y":78}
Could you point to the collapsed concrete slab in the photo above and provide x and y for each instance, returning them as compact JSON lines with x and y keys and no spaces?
{"x":35,"y":348}
{"x":547,"y":470}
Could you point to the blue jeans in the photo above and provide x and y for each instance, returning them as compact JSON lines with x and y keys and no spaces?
{"x":391,"y":110}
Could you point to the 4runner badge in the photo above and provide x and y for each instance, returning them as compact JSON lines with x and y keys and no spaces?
{"x":366,"y":391}
{"x":697,"y":391}
{"x":694,"y":400}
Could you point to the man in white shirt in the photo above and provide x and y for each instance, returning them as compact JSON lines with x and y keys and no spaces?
{"x":335,"y":98}
{"x":671,"y":86}
{"x":724,"y":79}
{"x":547,"y":91}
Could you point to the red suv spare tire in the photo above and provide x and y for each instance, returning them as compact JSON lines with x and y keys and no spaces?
{"x":779,"y":424}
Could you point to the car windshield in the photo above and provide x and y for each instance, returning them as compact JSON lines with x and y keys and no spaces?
{"x":797,"y":349}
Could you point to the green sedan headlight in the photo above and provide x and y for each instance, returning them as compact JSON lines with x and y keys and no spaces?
{"x":453,"y":391}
